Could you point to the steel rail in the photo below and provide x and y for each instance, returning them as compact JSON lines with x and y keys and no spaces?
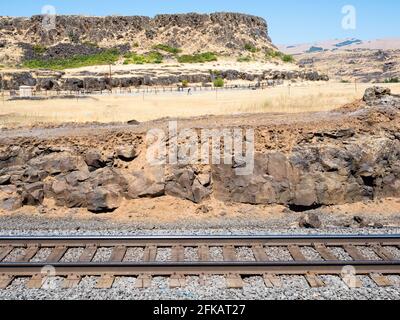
{"x":168,"y":241}
{"x":200,"y":268}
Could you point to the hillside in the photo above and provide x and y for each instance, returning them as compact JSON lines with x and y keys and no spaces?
{"x":341,"y":45}
{"x":351,"y":59}
{"x":225,"y":34}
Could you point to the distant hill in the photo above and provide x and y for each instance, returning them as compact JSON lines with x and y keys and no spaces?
{"x":341,"y":44}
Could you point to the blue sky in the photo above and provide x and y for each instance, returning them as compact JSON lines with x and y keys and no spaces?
{"x":290,"y":21}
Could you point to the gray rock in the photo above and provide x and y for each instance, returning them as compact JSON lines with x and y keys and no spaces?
{"x":310,"y":221}
{"x":126,"y":153}
{"x":103,"y":199}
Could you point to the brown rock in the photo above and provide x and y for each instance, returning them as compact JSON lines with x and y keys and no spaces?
{"x":126,"y":153}
{"x":310,"y":221}
{"x":94,"y":160}
{"x":103,"y":199}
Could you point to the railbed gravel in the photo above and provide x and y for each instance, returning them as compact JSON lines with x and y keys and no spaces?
{"x":215,"y":287}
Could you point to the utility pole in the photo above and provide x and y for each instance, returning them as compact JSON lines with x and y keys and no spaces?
{"x":110,"y":76}
{"x":2,"y":87}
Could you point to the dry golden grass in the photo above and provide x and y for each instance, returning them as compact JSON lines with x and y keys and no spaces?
{"x":304,"y":98}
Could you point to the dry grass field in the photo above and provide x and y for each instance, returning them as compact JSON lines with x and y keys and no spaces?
{"x":118,"y":108}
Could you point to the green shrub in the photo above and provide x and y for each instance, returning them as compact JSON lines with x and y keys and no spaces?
{"x":287,"y":58}
{"x":185,"y":83}
{"x":244,"y":59}
{"x":106,"y":57}
{"x":167,"y":48}
{"x":219,"y":82}
{"x":198,"y":58}
{"x":39,"y":49}
{"x":272,"y":54}
{"x":392,"y":80}
{"x":251,"y":48}
{"x":152,"y":57}
{"x":136,"y":45}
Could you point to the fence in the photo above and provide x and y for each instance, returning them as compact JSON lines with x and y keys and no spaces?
{"x":143,"y":91}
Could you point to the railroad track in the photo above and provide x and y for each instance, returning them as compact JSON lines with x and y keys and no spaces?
{"x":18,"y":258}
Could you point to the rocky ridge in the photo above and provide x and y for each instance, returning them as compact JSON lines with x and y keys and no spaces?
{"x":355,"y":157}
{"x":223,"y":33}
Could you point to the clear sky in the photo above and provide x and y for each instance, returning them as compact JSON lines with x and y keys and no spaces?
{"x":290,"y":21}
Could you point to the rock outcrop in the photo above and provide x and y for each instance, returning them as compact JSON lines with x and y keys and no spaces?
{"x":87,"y":81}
{"x":321,"y":167}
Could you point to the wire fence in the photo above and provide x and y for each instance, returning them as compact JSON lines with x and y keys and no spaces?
{"x":154,"y":90}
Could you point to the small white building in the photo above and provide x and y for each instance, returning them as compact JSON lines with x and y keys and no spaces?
{"x":25,"y":91}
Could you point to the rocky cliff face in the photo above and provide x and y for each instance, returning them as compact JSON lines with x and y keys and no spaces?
{"x":218,"y":32}
{"x":354,"y":157}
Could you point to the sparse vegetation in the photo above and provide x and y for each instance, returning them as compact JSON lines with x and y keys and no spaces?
{"x":106,"y":57}
{"x":244,"y":59}
{"x":39,"y":49}
{"x":152,"y":57}
{"x":167,"y":48}
{"x":249,"y":47}
{"x":198,"y":58}
{"x":392,"y":80}
{"x":273,"y":54}
{"x":136,"y":45}
{"x":185,"y":83}
{"x":219,"y":82}
{"x":287,"y":58}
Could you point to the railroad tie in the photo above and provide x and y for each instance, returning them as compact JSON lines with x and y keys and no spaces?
{"x":143,"y":281}
{"x":118,"y":254}
{"x":150,"y":254}
{"x":271,"y":280}
{"x":5,"y":251}
{"x":88,"y":253}
{"x":71,"y":281}
{"x":382,"y":252}
{"x":296,"y":253}
{"x":105,"y":282}
{"x":204,"y":253}
{"x":381,"y":280}
{"x":324,"y":252}
{"x":178,"y":254}
{"x":177,"y":281}
{"x":234,"y":281}
{"x":5,"y":280}
{"x":259,"y":253}
{"x":314,"y":280}
{"x":229,"y":253}
{"x":56,"y":254}
{"x":352,"y":281}
{"x":36,"y":281}
{"x":353,"y":252}
{"x":29,"y":254}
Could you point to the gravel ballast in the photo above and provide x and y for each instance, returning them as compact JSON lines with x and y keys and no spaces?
{"x":215,"y":286}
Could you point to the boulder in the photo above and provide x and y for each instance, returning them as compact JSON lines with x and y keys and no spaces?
{"x":5,"y":179}
{"x":103,"y":200}
{"x":94,"y":160}
{"x":56,"y":163}
{"x":310,"y":221}
{"x":373,"y":94}
{"x":147,"y":183}
{"x":33,"y":194}
{"x":11,"y":203}
{"x":126,"y":153}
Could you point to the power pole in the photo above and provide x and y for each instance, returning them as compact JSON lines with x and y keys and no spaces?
{"x":110,"y":75}
{"x":2,"y":87}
